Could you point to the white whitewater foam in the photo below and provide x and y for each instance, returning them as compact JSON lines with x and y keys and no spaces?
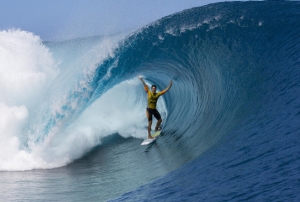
{"x":36,"y":131}
{"x":26,"y":68}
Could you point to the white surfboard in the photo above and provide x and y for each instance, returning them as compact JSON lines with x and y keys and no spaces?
{"x":149,"y":141}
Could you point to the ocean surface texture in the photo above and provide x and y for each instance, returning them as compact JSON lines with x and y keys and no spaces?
{"x":73,"y":112}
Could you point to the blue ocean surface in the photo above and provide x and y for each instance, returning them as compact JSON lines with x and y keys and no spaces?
{"x":231,"y":121}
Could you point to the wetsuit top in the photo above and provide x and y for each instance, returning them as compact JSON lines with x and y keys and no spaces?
{"x":153,"y":97}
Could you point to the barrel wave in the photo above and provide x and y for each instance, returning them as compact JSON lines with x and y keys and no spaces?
{"x":230,"y":120}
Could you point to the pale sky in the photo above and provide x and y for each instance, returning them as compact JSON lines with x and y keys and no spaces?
{"x":67,"y":19}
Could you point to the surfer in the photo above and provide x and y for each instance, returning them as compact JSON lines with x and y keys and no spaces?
{"x":151,"y":107}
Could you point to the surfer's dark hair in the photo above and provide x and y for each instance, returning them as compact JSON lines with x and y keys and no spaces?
{"x":153,"y":86}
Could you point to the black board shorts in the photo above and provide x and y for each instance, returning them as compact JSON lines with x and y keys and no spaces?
{"x":153,"y":112}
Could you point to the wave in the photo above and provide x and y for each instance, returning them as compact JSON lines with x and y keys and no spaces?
{"x":62,"y":98}
{"x":235,"y":74}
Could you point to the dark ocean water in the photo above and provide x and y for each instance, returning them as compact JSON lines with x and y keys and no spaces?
{"x":231,"y":119}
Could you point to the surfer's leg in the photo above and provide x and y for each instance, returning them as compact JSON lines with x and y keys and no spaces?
{"x":149,"y":130}
{"x":158,"y":125}
{"x":159,"y":120}
{"x":149,"y":116}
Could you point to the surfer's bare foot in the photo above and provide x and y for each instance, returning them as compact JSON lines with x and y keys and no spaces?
{"x":150,"y":137}
{"x":157,"y":129}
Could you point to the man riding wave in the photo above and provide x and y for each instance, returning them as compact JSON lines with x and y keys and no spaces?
{"x":153,"y":96}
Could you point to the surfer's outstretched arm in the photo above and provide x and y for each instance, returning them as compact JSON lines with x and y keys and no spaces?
{"x":168,"y":88}
{"x":145,"y":85}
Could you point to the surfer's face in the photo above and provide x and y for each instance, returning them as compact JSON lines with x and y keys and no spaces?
{"x":153,"y":89}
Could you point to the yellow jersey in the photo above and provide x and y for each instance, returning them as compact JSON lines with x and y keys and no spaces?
{"x":153,"y":97}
